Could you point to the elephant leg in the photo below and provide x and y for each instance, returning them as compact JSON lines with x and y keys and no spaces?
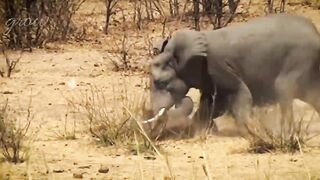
{"x":285,"y":87}
{"x":292,"y":81}
{"x":241,"y":109}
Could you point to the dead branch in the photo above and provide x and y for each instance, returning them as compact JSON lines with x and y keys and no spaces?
{"x":10,"y":64}
{"x":110,"y":5}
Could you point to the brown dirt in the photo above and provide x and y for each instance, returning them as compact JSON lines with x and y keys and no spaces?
{"x":48,"y":77}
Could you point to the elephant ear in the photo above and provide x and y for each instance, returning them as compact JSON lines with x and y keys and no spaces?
{"x":187,"y":45}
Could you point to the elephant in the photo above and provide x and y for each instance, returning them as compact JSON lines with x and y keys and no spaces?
{"x":267,"y":60}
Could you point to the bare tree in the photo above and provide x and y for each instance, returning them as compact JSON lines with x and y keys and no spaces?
{"x":144,"y":10}
{"x":196,"y":14}
{"x":217,"y":13}
{"x":158,"y":7}
{"x":271,"y":9}
{"x":11,"y":63}
{"x":110,"y":6}
{"x":282,"y":6}
{"x":174,"y":7}
{"x":123,"y":48}
{"x":269,"y":6}
{"x":32,"y":23}
{"x":149,"y":9}
{"x":233,"y":5}
{"x":138,"y":13}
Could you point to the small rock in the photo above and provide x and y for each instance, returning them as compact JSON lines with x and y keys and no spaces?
{"x":293,"y":160}
{"x":7,"y":92}
{"x":58,"y":171}
{"x":85,"y":167}
{"x":96,"y":65}
{"x":150,"y":158}
{"x":78,"y":175}
{"x":103,"y":169}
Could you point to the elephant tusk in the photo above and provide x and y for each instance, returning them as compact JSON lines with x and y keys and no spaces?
{"x":156,"y":117}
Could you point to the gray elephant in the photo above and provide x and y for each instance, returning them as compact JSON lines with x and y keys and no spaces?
{"x":272,"y":59}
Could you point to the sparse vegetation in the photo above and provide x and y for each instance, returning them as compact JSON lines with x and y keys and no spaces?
{"x":67,"y":133}
{"x":13,"y":133}
{"x":116,"y":123}
{"x":285,"y":139}
{"x":11,"y":63}
{"x":110,"y":10}
{"x":112,"y":116}
{"x":33,"y":23}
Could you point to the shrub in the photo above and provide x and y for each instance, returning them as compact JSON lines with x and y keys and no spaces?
{"x":291,"y":136}
{"x":32,"y":23}
{"x":13,"y":134}
{"x":115,"y":121}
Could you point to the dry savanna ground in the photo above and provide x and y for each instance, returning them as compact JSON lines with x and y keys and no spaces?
{"x":50,"y":82}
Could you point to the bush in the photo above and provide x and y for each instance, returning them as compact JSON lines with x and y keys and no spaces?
{"x":290,"y":137}
{"x":32,"y":23}
{"x":13,"y":134}
{"x":116,"y":122}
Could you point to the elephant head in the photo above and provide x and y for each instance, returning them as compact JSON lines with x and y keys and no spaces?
{"x":180,"y":66}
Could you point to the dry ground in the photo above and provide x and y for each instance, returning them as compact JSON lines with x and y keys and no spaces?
{"x":48,"y":77}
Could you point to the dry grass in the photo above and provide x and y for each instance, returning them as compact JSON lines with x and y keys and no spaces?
{"x":283,"y":137}
{"x":13,"y":131}
{"x":115,"y":120}
{"x":67,"y":133}
{"x":1,"y":171}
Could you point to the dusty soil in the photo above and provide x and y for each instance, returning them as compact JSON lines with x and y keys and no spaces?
{"x":60,"y":71}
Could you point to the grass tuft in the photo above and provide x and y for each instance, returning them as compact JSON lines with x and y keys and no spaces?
{"x":115,"y":120}
{"x":290,"y":137}
{"x":13,"y":133}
